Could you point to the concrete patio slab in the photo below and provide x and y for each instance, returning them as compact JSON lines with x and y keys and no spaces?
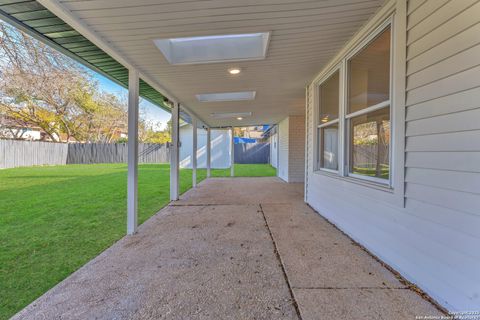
{"x":244,"y":191}
{"x":365,"y":304}
{"x":320,"y":249}
{"x":241,"y":248}
{"x":187,"y":262}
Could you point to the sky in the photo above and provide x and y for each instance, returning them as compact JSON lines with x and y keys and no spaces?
{"x":149,"y":111}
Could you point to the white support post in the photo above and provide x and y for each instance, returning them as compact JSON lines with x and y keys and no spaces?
{"x":174,"y":156}
{"x":194,"y":152}
{"x":209,"y":151}
{"x":132,"y":181}
{"x":232,"y":154}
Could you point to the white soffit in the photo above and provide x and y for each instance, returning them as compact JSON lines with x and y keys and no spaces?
{"x":211,"y":49}
{"x":304,"y":36}
{"x":228,"y":115}
{"x":226,"y":96}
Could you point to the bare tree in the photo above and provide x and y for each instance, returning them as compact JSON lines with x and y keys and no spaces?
{"x":43,"y":88}
{"x":40,"y":86}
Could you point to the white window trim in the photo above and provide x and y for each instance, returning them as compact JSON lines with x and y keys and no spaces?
{"x":387,"y":183}
{"x":318,"y":125}
{"x":327,"y":124}
{"x":394,"y":12}
{"x":375,"y":107}
{"x":344,"y":118}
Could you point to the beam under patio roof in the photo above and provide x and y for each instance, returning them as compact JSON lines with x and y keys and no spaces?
{"x":34,"y":19}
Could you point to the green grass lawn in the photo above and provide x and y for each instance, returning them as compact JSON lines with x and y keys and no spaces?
{"x":55,"y":219}
{"x":247,"y":170}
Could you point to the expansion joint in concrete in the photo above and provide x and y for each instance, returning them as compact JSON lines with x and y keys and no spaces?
{"x":208,"y":204}
{"x":279,"y":258}
{"x":349,"y":288}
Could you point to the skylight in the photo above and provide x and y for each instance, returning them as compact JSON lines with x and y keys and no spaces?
{"x":226,"y":96}
{"x":218,"y":48}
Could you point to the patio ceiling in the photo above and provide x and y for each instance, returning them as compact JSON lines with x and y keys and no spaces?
{"x":304,"y":35}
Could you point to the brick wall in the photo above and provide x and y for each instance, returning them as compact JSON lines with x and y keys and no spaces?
{"x":283,"y":146}
{"x":291,"y":161}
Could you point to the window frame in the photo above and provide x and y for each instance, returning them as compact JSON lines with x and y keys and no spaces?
{"x":393,"y":12}
{"x":343,"y":119}
{"x":388,"y":23}
{"x":318,"y":126}
{"x":348,"y":159}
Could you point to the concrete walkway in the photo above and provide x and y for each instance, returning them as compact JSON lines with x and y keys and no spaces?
{"x":242,"y":248}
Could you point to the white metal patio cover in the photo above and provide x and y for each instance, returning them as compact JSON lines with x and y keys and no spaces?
{"x":303,"y":36}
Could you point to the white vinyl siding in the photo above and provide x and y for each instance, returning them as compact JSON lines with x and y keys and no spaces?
{"x":310,"y":139}
{"x":433,"y":240}
{"x":443,"y":105}
{"x":442,"y":174}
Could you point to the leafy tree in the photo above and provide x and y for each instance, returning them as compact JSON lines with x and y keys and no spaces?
{"x":149,"y":133}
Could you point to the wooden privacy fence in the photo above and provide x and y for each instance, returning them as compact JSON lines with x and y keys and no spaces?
{"x":15,"y":153}
{"x":249,"y":153}
{"x":369,"y":155}
{"x":115,"y":153}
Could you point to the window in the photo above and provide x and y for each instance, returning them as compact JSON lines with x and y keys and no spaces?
{"x":354,"y":113}
{"x":328,"y":123}
{"x":368,"y":110}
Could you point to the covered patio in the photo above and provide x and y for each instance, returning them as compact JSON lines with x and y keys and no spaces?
{"x":254,"y":251}
{"x":376,"y":106}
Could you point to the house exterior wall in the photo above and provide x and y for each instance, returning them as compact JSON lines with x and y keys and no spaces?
{"x":296,"y":149}
{"x":274,"y":150}
{"x":426,"y":227}
{"x":291,"y":153}
{"x":283,"y":145}
{"x":220,"y":155}
{"x":25,"y":133}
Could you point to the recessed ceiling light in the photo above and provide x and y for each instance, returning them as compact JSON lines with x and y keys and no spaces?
{"x":234,"y":70}
{"x":239,"y":118}
{"x":218,"y":48}
{"x":226,"y":96}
